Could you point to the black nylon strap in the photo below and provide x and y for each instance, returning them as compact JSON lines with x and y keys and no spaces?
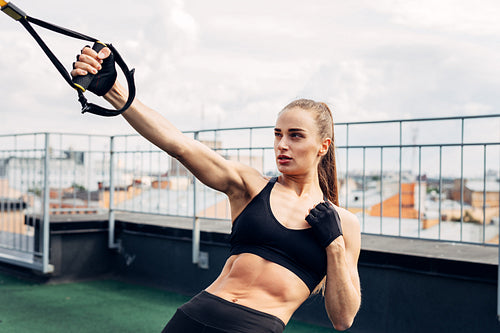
{"x":59,"y":29}
{"x":86,"y":107}
{"x":48,"y":52}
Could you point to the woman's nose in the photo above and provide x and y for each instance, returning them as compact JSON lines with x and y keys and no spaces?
{"x":282,"y":144}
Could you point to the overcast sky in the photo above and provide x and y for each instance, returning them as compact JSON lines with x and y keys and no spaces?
{"x":221,"y":63}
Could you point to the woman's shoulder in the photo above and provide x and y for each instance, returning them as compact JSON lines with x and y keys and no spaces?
{"x":247,"y":180}
{"x":254,"y":181}
{"x":351,"y":231}
{"x":251,"y":182}
{"x":348,"y":220}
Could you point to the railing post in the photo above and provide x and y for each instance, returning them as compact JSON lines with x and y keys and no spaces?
{"x":400,"y":180}
{"x":346,"y":205}
{"x":45,"y":223}
{"x":364,"y":188}
{"x":381,"y":188}
{"x":111,"y":215}
{"x":484,"y":194}
{"x":196,"y":222}
{"x":419,"y":190}
{"x":440,"y":198}
{"x":462,"y":181}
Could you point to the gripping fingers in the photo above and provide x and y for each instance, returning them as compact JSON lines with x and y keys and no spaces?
{"x":82,"y":68}
{"x":312,"y":214}
{"x":103,"y":53}
{"x":324,"y":206}
{"x":89,"y":61}
{"x":78,"y":72}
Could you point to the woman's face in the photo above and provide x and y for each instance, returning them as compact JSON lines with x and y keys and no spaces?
{"x":297,"y":145}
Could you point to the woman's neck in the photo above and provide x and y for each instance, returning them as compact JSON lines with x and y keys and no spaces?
{"x":301,"y":184}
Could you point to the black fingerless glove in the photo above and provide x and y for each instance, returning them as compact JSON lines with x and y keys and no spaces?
{"x":103,"y":81}
{"x":325,"y":223}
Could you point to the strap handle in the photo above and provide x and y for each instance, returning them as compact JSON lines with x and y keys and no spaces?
{"x":83,"y":82}
{"x":18,"y":15}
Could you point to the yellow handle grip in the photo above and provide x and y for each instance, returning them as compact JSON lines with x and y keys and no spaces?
{"x":12,"y":10}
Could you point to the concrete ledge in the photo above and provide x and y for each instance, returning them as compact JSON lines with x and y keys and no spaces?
{"x":484,"y":254}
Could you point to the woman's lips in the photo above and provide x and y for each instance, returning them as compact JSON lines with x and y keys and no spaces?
{"x":284,"y":159}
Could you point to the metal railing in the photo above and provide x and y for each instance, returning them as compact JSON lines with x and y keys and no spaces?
{"x":433,"y":178}
{"x":458,"y":158}
{"x":44,"y":174}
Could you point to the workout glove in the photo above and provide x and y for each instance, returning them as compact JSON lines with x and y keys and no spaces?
{"x":104,"y":79}
{"x":325,"y":223}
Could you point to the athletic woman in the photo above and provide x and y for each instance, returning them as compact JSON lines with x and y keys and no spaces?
{"x":289,"y":238}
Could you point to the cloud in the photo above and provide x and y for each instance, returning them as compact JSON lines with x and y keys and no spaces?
{"x":242,"y":64}
{"x":181,"y":28}
{"x":459,"y":16}
{"x":181,"y":19}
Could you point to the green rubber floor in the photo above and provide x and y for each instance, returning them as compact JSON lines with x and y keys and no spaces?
{"x":95,"y":306}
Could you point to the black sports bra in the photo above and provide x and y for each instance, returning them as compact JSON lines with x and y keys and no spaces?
{"x":256,"y":230}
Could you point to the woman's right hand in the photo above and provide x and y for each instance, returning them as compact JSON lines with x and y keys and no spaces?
{"x":100,"y":64}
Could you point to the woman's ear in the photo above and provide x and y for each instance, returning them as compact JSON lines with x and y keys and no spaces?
{"x":324,"y":146}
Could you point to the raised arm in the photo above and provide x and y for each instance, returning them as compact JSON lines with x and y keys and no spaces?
{"x":206,"y":165}
{"x":338,"y":231}
{"x":343,"y":291}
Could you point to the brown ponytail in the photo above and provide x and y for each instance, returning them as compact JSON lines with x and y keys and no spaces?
{"x":328,"y":176}
{"x":327,"y":169}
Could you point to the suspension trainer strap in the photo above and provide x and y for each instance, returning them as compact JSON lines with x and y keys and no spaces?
{"x":81,"y":82}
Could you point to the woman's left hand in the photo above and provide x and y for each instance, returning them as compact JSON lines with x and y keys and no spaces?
{"x":325,"y":223}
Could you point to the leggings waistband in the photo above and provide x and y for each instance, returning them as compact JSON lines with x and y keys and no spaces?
{"x":219,"y":313}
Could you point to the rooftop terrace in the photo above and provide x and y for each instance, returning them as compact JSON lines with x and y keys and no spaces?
{"x":106,"y":305}
{"x":78,"y":207}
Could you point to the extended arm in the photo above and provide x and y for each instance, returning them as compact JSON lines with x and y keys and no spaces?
{"x":206,"y":165}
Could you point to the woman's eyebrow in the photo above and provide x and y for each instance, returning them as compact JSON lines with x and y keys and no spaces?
{"x":296,"y":130}
{"x":291,"y":130}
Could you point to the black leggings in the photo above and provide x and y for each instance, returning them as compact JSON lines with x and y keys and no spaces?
{"x":207,"y":313}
